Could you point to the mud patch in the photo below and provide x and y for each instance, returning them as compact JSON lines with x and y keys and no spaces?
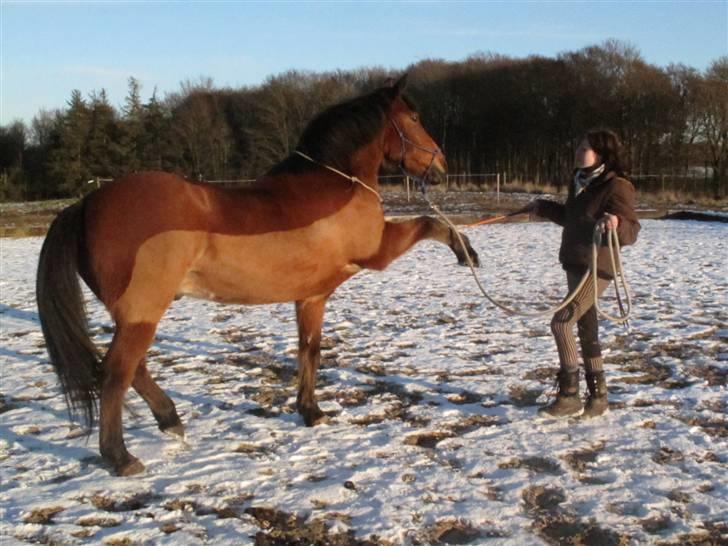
{"x":579,"y":459}
{"x":125,"y":504}
{"x":539,"y":465}
{"x":280,"y":528}
{"x":427,"y":439}
{"x":43,"y":515}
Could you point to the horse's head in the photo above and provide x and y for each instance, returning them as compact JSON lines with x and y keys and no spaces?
{"x":407,"y":144}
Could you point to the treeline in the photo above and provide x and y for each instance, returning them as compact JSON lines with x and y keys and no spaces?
{"x":490,"y":113}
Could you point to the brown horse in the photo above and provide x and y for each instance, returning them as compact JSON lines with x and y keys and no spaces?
{"x":304,"y":228}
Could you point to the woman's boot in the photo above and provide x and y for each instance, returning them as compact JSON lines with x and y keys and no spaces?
{"x":567,"y":398}
{"x":596,"y":402}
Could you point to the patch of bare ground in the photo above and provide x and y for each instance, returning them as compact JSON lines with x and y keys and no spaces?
{"x":427,"y":439}
{"x":713,"y":375}
{"x":43,"y":515}
{"x":94,"y":520}
{"x":559,"y":527}
{"x":232,"y":507}
{"x":544,"y":373}
{"x":7,"y":403}
{"x":279,"y":528}
{"x":464,"y":397}
{"x":457,"y":531}
{"x":715,"y":533}
{"x":521,"y":396}
{"x":539,"y":465}
{"x":398,"y":400}
{"x":647,"y":371}
{"x":579,"y":459}
{"x":128,"y":503}
{"x":713,"y":425}
{"x":474,"y":422}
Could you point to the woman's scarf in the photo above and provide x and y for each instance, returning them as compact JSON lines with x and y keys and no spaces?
{"x":583,"y":177}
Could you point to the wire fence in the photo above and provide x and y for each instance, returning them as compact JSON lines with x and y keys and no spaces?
{"x":697,"y":184}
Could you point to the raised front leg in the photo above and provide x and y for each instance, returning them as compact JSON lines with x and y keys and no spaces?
{"x":309,"y":315}
{"x":399,"y":237}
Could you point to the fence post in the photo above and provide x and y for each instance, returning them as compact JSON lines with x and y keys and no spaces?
{"x":407,"y":183}
{"x":497,"y":188}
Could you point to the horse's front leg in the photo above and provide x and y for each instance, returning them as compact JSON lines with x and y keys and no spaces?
{"x":309,"y":315}
{"x":399,"y":237}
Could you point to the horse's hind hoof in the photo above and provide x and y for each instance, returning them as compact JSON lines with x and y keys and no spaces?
{"x":134,"y":466}
{"x":176,"y":430}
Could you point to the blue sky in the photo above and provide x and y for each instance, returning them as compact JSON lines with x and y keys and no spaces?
{"x":50,"y":48}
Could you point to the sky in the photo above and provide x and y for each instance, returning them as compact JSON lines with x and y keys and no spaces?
{"x":51,"y":48}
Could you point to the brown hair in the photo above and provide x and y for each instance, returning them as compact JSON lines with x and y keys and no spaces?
{"x":606,"y":143}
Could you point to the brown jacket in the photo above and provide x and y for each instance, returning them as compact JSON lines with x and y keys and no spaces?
{"x":608,"y":193}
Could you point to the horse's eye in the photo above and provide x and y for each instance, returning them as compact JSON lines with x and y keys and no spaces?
{"x":415,"y":117}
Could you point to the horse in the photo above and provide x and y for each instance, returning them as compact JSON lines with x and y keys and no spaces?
{"x":303,"y":228}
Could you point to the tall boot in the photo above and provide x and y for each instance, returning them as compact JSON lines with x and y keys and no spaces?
{"x":596,"y":402}
{"x":567,"y":398}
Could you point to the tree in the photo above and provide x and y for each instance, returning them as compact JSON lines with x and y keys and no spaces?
{"x":714,"y":119}
{"x":102,"y":149}
{"x":12,"y":147}
{"x":132,"y":128}
{"x":67,"y":165}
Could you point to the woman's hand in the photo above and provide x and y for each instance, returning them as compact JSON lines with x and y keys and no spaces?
{"x":531,"y":209}
{"x":608,"y":222}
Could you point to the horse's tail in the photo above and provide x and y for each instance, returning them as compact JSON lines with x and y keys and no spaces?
{"x":63,"y":315}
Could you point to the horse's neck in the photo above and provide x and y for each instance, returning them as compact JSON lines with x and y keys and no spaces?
{"x":365,"y":164}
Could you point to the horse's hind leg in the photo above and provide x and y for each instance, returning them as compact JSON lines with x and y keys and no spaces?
{"x":128,"y":348}
{"x":309,"y":315}
{"x":162,"y":407}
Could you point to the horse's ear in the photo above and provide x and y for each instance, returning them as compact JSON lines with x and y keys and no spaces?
{"x":401,"y":84}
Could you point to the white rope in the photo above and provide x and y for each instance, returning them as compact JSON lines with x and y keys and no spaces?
{"x":353,"y":179}
{"x":613,"y":243}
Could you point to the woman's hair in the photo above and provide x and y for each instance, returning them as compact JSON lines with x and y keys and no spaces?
{"x":606,"y":143}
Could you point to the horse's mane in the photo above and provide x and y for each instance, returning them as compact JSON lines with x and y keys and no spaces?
{"x":335,"y":134}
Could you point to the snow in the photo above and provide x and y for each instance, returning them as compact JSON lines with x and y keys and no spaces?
{"x":407,"y":352}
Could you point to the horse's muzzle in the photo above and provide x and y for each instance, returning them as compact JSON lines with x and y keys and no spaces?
{"x":438,"y":172}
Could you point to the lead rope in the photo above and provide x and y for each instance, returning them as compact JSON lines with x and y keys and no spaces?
{"x":353,"y":179}
{"x":614,"y":252}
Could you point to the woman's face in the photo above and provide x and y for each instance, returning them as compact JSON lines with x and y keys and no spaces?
{"x":585,"y":156}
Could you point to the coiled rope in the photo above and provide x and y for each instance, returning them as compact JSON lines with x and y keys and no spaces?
{"x":615,"y":257}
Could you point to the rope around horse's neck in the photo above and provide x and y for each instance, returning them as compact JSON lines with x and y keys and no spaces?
{"x":353,"y":179}
{"x":613,"y":243}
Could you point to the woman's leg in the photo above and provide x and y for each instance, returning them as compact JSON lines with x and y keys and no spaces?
{"x":591,"y":352}
{"x":562,"y":326}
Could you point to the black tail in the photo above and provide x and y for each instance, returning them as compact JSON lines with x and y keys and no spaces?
{"x":63,"y":315}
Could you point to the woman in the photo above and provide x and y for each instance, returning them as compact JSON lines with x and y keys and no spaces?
{"x":599,"y":195}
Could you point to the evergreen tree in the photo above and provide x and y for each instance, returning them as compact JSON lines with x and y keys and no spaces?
{"x":102,"y":143}
{"x":133,"y":128}
{"x":67,"y":166}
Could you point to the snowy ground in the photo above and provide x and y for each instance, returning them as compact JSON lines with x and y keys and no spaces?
{"x":434,"y":395}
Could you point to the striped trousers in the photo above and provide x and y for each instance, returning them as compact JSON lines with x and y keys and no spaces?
{"x":581,"y":311}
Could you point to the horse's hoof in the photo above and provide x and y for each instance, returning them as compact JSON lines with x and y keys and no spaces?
{"x":134,"y":466}
{"x":315,"y":417}
{"x":176,"y":430}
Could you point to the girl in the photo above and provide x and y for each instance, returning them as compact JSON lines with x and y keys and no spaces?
{"x":599,"y":195}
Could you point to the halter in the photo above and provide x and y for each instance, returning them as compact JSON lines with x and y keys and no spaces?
{"x":421,"y":180}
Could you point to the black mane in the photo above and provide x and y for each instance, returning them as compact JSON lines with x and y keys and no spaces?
{"x":336,"y":133}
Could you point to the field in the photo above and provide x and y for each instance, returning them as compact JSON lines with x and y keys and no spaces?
{"x":432,"y":393}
